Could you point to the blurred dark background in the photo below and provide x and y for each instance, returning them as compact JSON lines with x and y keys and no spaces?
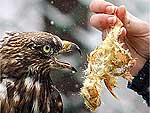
{"x":69,"y":19}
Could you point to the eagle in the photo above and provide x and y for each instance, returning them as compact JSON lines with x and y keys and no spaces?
{"x":26,"y":60}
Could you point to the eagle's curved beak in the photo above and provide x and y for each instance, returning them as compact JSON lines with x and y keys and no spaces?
{"x":69,"y":47}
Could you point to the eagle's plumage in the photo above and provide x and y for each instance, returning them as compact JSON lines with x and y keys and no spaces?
{"x":26,"y":60}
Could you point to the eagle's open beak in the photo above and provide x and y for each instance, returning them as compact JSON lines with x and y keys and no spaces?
{"x":67,"y":47}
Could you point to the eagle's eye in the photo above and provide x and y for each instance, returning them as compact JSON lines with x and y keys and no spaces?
{"x":47,"y":49}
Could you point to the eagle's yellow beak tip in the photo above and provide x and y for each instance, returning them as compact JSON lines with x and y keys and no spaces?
{"x":69,"y":47}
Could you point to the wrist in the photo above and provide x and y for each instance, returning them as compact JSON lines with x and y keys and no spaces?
{"x":139,"y":64}
{"x":140,"y":83}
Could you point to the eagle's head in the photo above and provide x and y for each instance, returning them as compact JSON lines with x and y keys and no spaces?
{"x":26,"y":60}
{"x":32,"y":51}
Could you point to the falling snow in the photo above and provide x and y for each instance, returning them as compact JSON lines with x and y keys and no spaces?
{"x":52,"y":2}
{"x":52,"y":22}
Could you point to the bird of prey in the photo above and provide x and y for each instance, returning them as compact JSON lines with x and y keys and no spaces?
{"x":26,"y":60}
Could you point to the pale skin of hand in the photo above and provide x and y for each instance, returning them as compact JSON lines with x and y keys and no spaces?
{"x":135,"y":33}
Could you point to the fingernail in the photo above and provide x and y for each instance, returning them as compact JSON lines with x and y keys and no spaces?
{"x":112,"y":20}
{"x":110,"y":9}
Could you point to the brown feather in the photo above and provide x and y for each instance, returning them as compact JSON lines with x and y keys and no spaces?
{"x":25,"y":73}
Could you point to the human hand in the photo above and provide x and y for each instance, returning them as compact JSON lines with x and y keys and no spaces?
{"x":135,"y":33}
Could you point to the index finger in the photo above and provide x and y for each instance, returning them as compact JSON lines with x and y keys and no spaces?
{"x":99,"y":6}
